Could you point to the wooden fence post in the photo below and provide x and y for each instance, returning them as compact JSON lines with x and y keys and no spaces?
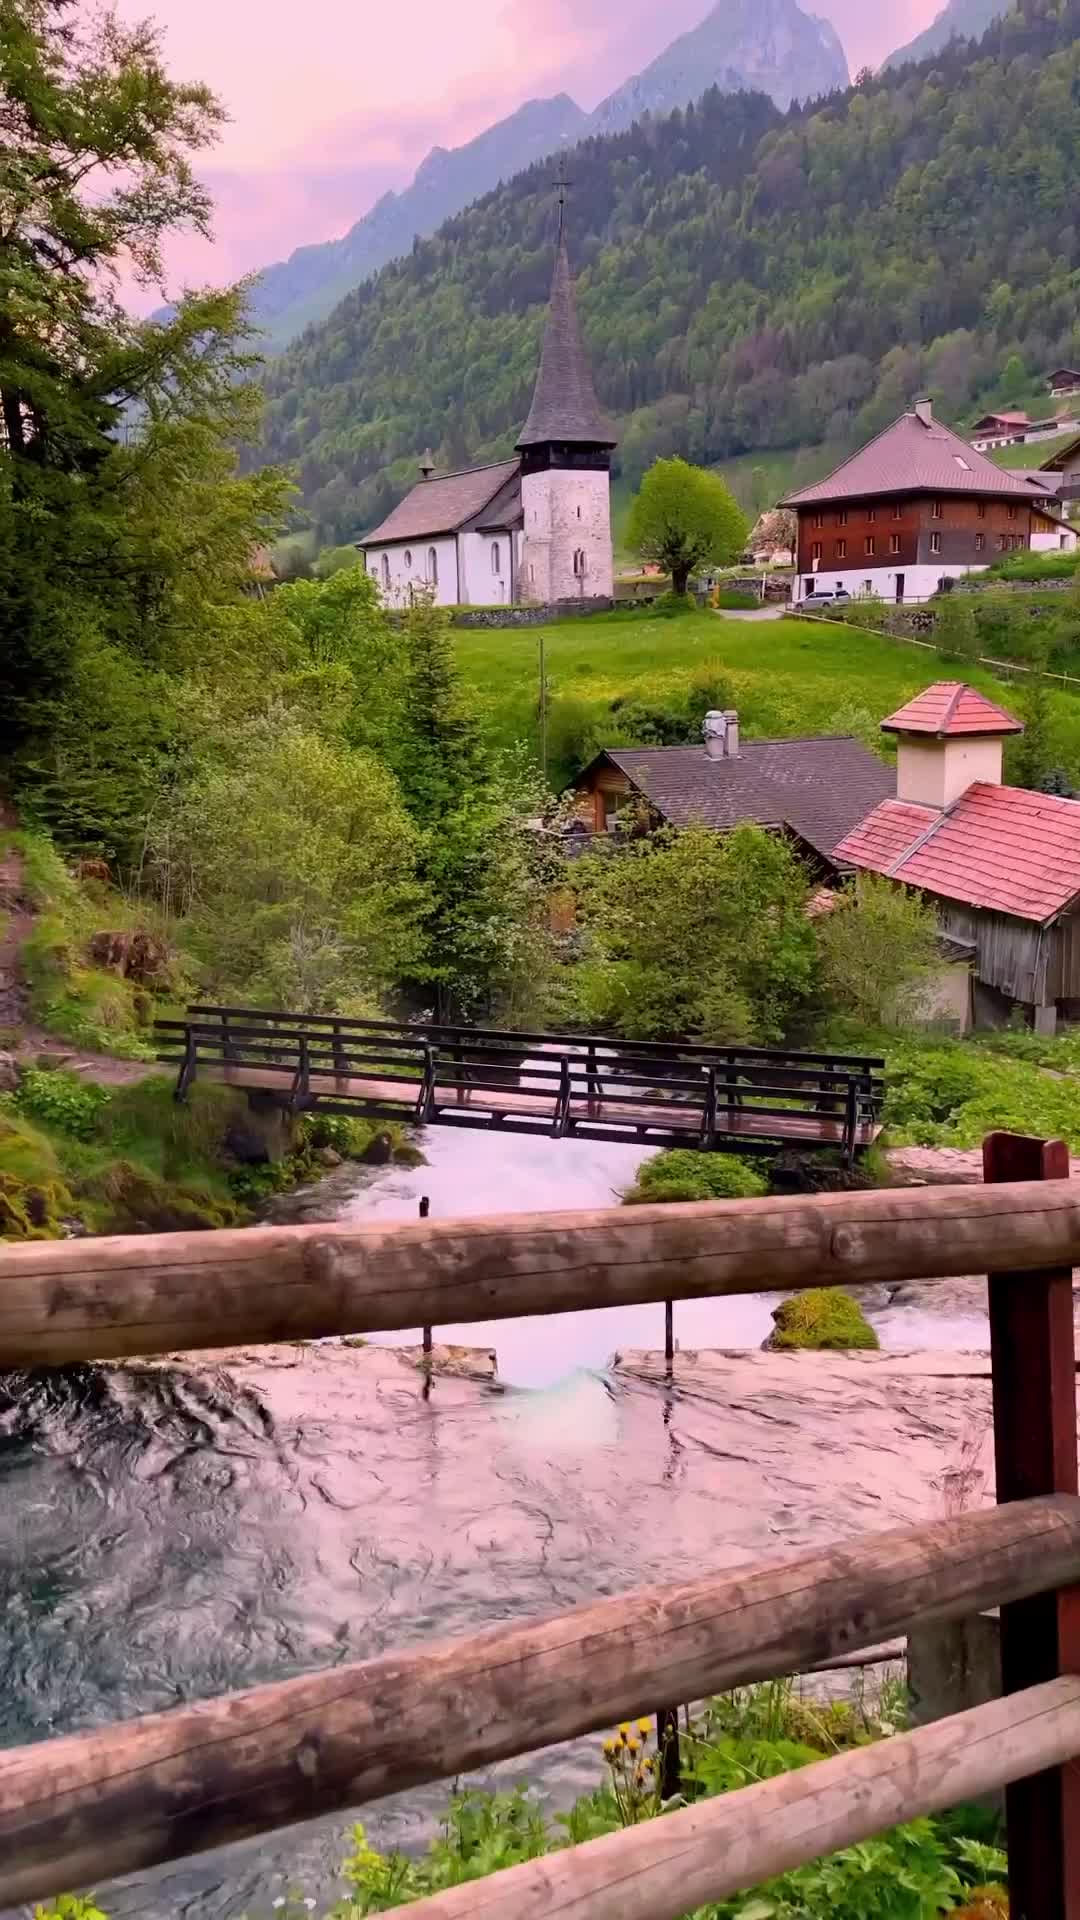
{"x":1034,"y":1372}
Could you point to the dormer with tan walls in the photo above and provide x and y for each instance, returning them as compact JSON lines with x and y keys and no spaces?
{"x":948,"y":738}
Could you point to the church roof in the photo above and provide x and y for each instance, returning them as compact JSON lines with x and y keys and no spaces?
{"x":444,"y":503}
{"x":564,"y":406}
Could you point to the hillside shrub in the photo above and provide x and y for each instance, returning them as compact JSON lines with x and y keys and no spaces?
{"x":878,"y":947}
{"x":61,"y":1100}
{"x":823,"y":1319}
{"x":729,"y":600}
{"x":34,"y":1196}
{"x":683,"y":1174}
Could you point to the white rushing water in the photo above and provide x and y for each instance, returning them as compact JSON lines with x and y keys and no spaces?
{"x":470,"y":1173}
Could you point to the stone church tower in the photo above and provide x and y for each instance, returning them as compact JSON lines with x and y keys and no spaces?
{"x":565,"y":447}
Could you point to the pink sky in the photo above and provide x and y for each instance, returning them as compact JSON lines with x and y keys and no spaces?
{"x":335,"y":101}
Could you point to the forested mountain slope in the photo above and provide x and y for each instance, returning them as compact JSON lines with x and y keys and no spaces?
{"x":747,"y":279}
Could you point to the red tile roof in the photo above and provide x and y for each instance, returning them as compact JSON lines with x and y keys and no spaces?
{"x":912,"y":456}
{"x":950,"y":709}
{"x":886,"y":835}
{"x":999,"y":848}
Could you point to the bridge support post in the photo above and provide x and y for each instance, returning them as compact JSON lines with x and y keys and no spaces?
{"x":1034,"y":1373}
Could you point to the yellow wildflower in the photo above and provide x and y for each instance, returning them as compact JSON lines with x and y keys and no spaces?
{"x":609,"y":1747}
{"x":632,"y":1745}
{"x":624,"y":1729}
{"x":644,"y":1727}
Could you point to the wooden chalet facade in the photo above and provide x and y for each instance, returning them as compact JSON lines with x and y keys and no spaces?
{"x":917,"y":505}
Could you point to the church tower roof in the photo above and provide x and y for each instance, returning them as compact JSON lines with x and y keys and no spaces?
{"x":564,"y":406}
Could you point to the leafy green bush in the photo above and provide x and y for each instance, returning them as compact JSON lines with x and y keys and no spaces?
{"x":822,"y":1319}
{"x":729,"y":600}
{"x":683,"y":1174}
{"x":1036,"y":566}
{"x":62,"y":1100}
{"x":34,"y":1196}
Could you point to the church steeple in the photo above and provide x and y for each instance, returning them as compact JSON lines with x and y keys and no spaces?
{"x":565,"y":411}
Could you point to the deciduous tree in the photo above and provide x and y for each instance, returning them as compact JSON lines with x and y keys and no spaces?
{"x":685,"y":518}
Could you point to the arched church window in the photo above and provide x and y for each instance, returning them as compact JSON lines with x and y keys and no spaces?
{"x":496,"y":557}
{"x":433,"y":566}
{"x":386,"y":569}
{"x":579,"y":562}
{"x":579,"y":513}
{"x":408,"y":558}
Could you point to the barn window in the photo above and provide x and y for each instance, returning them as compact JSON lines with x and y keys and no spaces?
{"x":868,"y":546}
{"x":980,"y":542}
{"x":898,"y":512}
{"x":871,"y":514}
{"x":980,"y":509}
{"x":935,"y":511}
{"x":841,"y":518}
{"x":386,"y":569}
{"x":433,"y":566}
{"x":579,"y":562}
{"x":1012,"y":513}
{"x":894,"y":543}
{"x":815,"y":553}
{"x":841,"y":549}
{"x":496,"y":558}
{"x":935,"y":543}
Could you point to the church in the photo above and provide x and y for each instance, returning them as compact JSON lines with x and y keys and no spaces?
{"x":533,"y":530}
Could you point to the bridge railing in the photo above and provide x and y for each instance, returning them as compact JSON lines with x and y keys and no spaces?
{"x":558,"y":1084}
{"x":87,"y":1806}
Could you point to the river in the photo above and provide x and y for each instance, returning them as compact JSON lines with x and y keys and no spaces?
{"x":167,"y":1534}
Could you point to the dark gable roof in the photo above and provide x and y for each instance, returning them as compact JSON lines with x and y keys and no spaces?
{"x":564,"y":406}
{"x":444,"y":503}
{"x":821,"y":787}
{"x":912,"y":456}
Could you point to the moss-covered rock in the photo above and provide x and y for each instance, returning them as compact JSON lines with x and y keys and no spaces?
{"x":34,"y":1196}
{"x":684,"y":1174}
{"x":124,"y":1197}
{"x":823,"y":1319}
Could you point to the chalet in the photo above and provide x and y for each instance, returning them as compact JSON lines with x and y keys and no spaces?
{"x":536,"y":528}
{"x":915,"y":506}
{"x":1064,"y":383}
{"x":1062,"y":471}
{"x":1001,"y":864}
{"x":813,"y":790}
{"x":999,"y":430}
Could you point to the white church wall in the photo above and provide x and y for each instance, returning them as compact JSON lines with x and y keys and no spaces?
{"x":486,"y":569}
{"x":405,"y":569}
{"x":566,"y":552}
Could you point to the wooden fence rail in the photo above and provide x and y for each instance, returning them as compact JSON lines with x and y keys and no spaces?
{"x":667,"y":1868}
{"x":84,"y":1806}
{"x":65,"y":1301}
{"x":76,"y":1809}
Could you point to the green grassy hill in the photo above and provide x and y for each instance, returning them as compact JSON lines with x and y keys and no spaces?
{"x":787,"y":677}
{"x":1034,"y":455}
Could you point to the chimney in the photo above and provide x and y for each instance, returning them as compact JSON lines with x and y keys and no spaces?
{"x":715,"y":731}
{"x":924,"y":411}
{"x":427,"y":466}
{"x":732,"y":718}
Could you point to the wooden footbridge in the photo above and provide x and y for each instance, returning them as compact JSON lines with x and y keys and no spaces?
{"x":741,"y":1099}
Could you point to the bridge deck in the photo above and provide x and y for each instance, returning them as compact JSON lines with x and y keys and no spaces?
{"x":471,"y":1106}
{"x":745,"y":1099}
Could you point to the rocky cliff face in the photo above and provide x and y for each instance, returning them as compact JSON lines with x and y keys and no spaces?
{"x":772,"y":46}
{"x":960,"y":20}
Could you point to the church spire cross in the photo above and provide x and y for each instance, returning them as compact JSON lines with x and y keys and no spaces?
{"x":562,"y":186}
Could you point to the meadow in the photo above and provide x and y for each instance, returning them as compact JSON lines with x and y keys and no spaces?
{"x":787,"y":678}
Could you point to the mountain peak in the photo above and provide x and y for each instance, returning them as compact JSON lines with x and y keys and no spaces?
{"x":772,"y":46}
{"x":958,"y":20}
